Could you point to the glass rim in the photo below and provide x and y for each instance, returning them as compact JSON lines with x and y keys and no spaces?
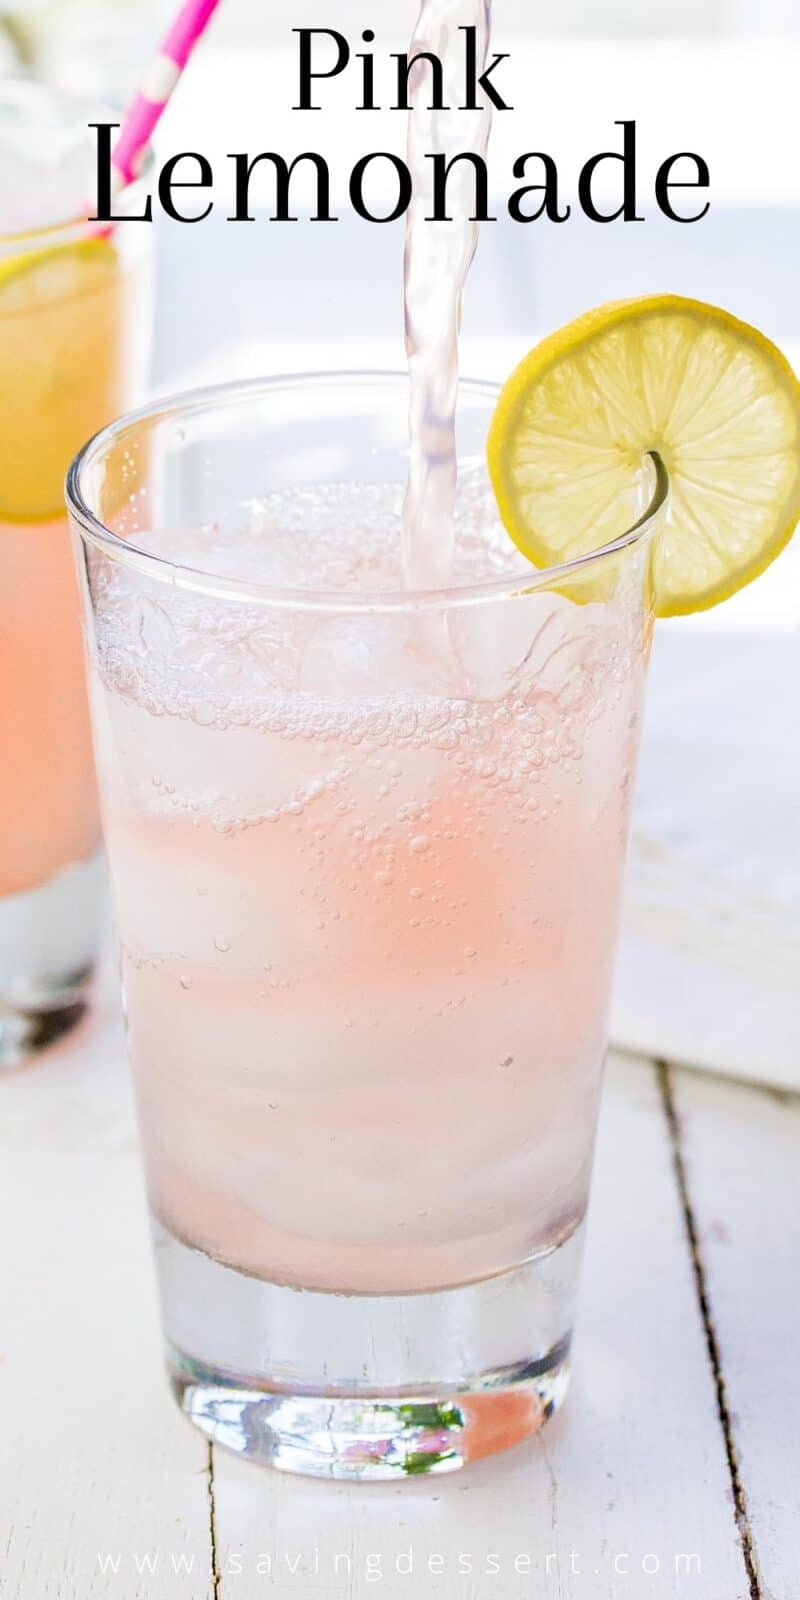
{"x":217,"y":586}
{"x":63,"y":230}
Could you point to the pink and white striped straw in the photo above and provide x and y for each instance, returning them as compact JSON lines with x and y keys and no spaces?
{"x":156,"y":87}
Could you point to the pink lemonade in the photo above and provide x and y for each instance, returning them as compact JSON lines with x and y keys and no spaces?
{"x":48,"y":806}
{"x":63,"y":321}
{"x":367,"y":905}
{"x":72,"y":334}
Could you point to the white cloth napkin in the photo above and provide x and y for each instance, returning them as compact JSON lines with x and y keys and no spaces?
{"x":709,"y":967}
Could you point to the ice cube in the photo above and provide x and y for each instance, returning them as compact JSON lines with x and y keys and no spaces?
{"x":493,"y":641}
{"x":47,"y":157}
{"x":358,"y":657}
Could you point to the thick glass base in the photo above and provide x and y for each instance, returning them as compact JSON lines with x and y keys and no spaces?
{"x":367,"y":1386}
{"x":48,"y":941}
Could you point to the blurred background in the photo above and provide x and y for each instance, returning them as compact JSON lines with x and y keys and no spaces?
{"x":61,"y":34}
{"x":712,"y":911}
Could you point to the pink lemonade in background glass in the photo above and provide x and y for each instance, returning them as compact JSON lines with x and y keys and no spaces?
{"x":72,"y":321}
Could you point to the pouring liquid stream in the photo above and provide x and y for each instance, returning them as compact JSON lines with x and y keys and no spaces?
{"x":438,"y":256}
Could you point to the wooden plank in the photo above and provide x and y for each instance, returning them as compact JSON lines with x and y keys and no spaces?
{"x":634,"y":1468}
{"x":97,"y":1469}
{"x":741,"y":1150}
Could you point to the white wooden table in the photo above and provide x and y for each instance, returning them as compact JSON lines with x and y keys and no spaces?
{"x":671,"y":1472}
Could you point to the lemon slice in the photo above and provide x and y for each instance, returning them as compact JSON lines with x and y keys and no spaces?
{"x":714,"y":398}
{"x":59,"y":356}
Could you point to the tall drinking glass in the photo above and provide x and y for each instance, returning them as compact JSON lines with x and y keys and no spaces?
{"x":73,"y":340}
{"x":366,"y":848}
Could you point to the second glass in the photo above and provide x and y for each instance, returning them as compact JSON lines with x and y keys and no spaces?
{"x":366,"y":848}
{"x":74,"y":326}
